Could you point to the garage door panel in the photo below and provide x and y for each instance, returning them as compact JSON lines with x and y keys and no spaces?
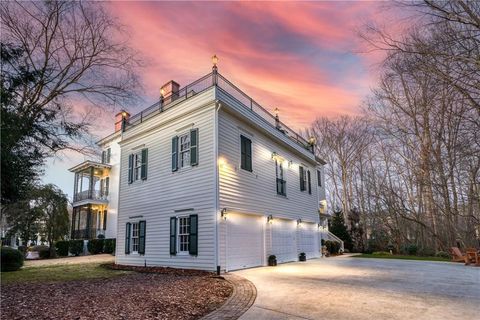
{"x":244,"y":241}
{"x":308,"y":241}
{"x":284,"y":242}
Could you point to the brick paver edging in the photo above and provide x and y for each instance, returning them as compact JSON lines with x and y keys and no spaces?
{"x":242,"y":298}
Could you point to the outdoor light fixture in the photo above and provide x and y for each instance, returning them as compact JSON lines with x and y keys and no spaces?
{"x":270,"y":219}
{"x":274,"y":155}
{"x":312,"y":140}
{"x":276,"y":111}
{"x":299,"y":222}
{"x":214,"y":60}
{"x":162,"y":92}
{"x":224,"y":213}
{"x":124,"y":114}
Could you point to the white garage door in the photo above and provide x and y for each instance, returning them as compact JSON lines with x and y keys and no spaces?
{"x":244,"y":241}
{"x":309,"y":239}
{"x":284,"y":244}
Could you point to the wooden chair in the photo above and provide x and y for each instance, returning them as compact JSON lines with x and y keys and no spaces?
{"x":472,"y":256}
{"x":458,"y":256}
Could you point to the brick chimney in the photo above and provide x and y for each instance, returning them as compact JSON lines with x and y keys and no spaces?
{"x":119,"y":119}
{"x":169,"y":91}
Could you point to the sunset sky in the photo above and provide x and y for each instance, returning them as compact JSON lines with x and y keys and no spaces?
{"x":304,"y":58}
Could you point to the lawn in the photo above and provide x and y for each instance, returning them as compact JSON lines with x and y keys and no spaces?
{"x":60,"y":273}
{"x":401,"y":257}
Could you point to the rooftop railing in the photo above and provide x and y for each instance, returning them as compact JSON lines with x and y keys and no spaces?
{"x":205,"y":83}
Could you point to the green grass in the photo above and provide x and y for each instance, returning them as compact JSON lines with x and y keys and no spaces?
{"x":60,"y":273}
{"x":401,"y":257}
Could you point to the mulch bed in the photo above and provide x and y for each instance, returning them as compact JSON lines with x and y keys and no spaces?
{"x":161,"y":270}
{"x":164,"y":294}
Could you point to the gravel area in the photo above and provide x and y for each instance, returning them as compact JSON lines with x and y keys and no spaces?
{"x":133,"y":296}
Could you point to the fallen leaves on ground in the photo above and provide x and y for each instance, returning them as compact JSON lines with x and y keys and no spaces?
{"x":135,"y":296}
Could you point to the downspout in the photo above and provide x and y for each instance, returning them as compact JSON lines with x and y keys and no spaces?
{"x":217,"y":183}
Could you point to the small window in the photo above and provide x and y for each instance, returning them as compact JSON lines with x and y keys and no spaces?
{"x":319,"y":178}
{"x":135,"y":237}
{"x":246,"y":153}
{"x":185,"y":150}
{"x":183,"y":234}
{"x":137,"y":165}
{"x":281,"y":183}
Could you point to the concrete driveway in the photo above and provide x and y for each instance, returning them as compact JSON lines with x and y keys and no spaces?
{"x":356,"y":288}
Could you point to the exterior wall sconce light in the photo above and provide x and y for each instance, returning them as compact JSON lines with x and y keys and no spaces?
{"x":224,"y":214}
{"x":270,"y":219}
{"x":274,"y":155}
{"x":299,"y":222}
{"x":214,"y":60}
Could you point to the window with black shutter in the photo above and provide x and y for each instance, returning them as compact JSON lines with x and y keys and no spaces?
{"x":193,"y":235}
{"x":109,"y":152}
{"x":128,"y":230}
{"x":174,"y":153}
{"x":144,"y":164}
{"x":194,"y":147}
{"x":130,"y":167}
{"x":302,"y":179}
{"x":246,"y":153}
{"x":173,"y":235}
{"x":319,"y":178}
{"x":309,"y":182}
{"x":141,"y":236}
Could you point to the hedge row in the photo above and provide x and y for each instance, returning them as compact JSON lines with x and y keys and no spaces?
{"x":94,"y":246}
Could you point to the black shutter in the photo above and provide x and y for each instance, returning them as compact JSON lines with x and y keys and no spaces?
{"x":105,"y":219}
{"x":309,"y":182}
{"x":130,"y":168}
{"x":302,"y":179}
{"x":319,"y":178}
{"x":173,"y":235}
{"x":103,"y":156}
{"x":109,"y":152}
{"x":194,"y":147}
{"x":107,"y":185}
{"x":127,"y":237}
{"x":174,"y":153}
{"x":143,"y":168}
{"x":193,"y":235}
{"x":246,"y":153}
{"x":102,"y":187}
{"x":141,"y":236}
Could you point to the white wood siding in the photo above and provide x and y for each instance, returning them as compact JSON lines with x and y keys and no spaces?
{"x":255,"y":192}
{"x":157,"y":198}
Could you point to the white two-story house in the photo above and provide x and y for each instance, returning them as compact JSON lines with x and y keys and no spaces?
{"x":208,"y":178}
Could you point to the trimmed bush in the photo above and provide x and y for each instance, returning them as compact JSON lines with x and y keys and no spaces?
{"x":62,"y":248}
{"x":95,"y":246}
{"x":23,"y":250}
{"x":109,"y":246}
{"x":332,"y":246}
{"x":12,"y":259}
{"x":101,"y":236}
{"x":442,"y":254}
{"x":411,"y":249}
{"x":43,"y":251}
{"x":75,"y":247}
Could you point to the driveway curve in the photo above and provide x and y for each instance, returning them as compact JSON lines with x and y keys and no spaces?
{"x":356,"y":288}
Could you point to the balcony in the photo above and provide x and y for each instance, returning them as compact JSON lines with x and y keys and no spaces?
{"x":91,"y":183}
{"x":203,"y":84}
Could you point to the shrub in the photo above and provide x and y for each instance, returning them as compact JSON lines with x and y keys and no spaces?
{"x":62,"y":248}
{"x":12,"y":259}
{"x":23,"y":250}
{"x":95,"y":246}
{"x":411,"y":249}
{"x":101,"y":236}
{"x":75,"y":247}
{"x":332,"y":246}
{"x":43,"y":251}
{"x":442,"y":254}
{"x":426,"y":252}
{"x":109,"y":246}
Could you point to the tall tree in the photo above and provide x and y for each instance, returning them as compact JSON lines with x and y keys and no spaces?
{"x":56,"y":54}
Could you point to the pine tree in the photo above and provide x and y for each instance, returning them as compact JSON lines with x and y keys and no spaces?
{"x":338,"y":228}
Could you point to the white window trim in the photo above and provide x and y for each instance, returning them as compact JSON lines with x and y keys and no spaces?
{"x":180,"y":166}
{"x":137,"y":223}
{"x":179,"y":252}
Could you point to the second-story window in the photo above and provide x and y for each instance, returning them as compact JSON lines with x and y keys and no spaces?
{"x":137,"y":166}
{"x":319,"y":178}
{"x":281,"y":183}
{"x":185,"y":150}
{"x":246,"y":153}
